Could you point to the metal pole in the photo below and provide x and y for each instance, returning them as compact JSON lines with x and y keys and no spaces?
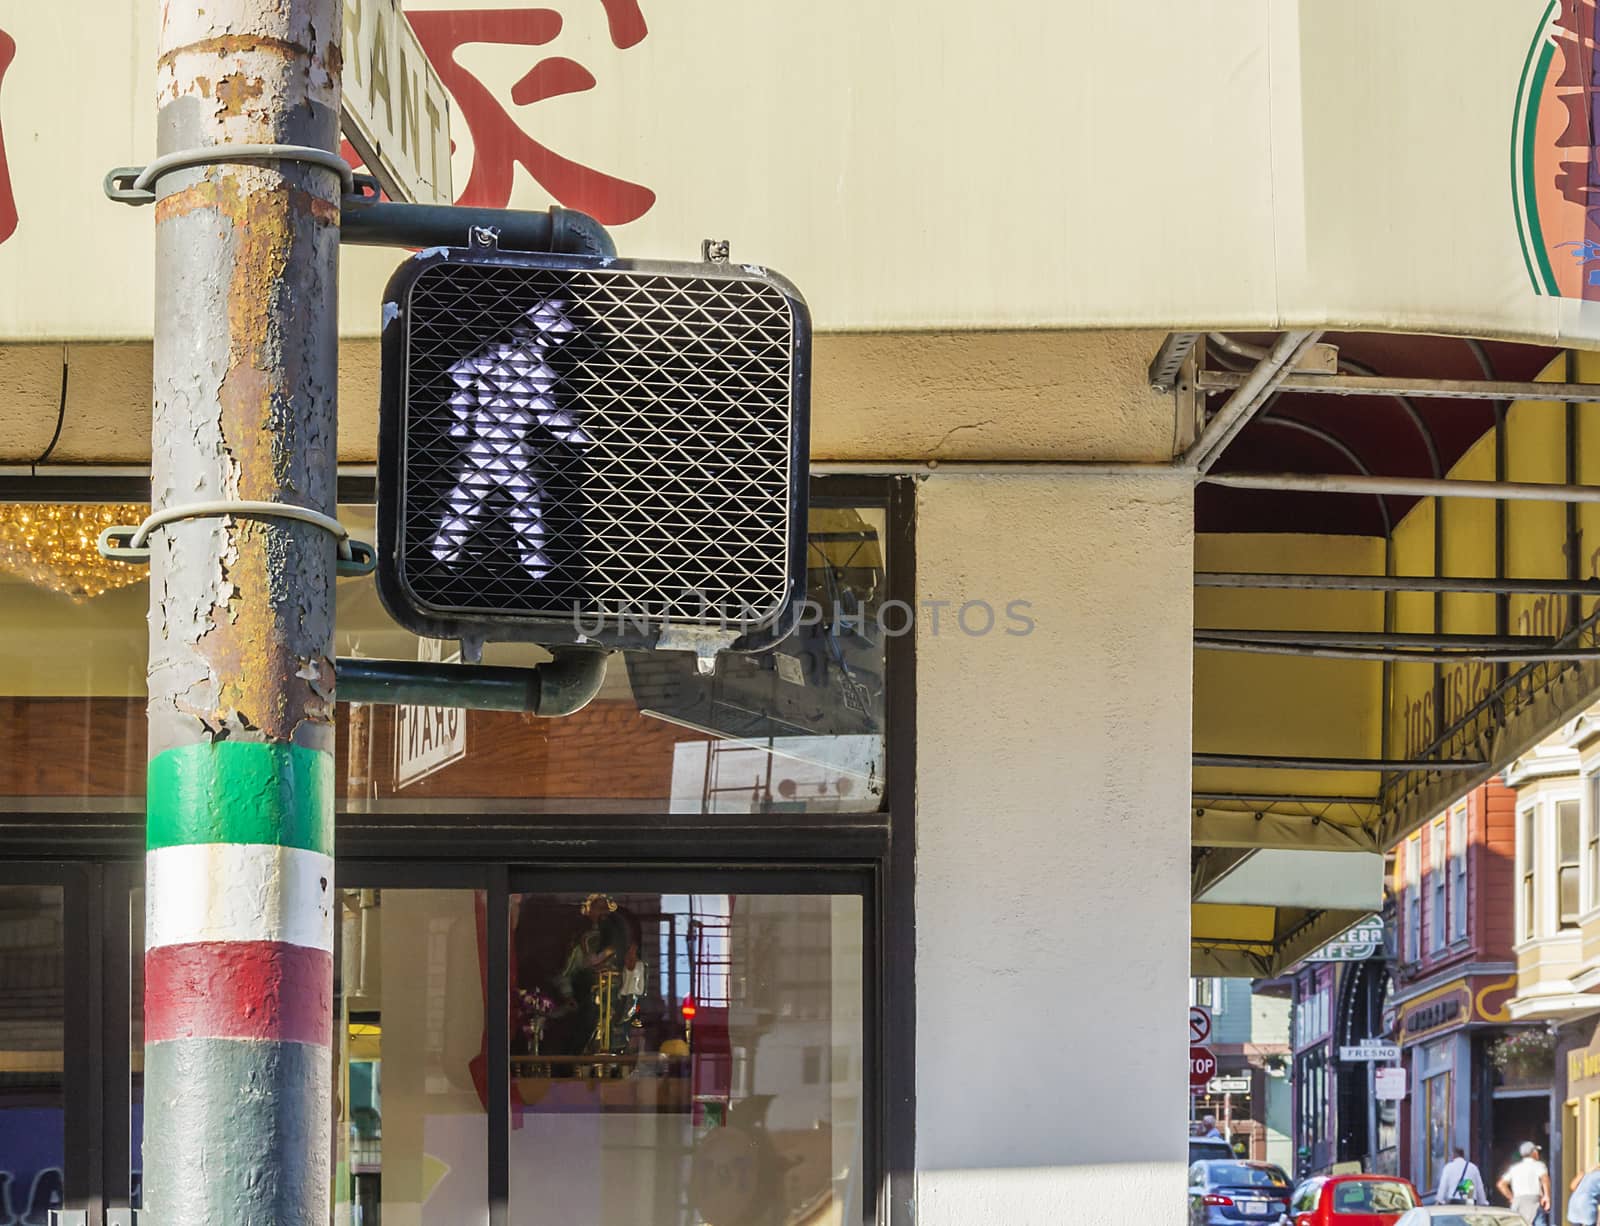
{"x":1420,"y":487}
{"x":1254,"y":761}
{"x":1373,"y":638}
{"x":1398,"y":385}
{"x":1372,"y":1115}
{"x":1399,"y":583}
{"x":1421,"y":655}
{"x":239,"y":870}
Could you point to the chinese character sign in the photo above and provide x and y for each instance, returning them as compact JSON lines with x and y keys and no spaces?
{"x":8,"y":202}
{"x":504,"y":129}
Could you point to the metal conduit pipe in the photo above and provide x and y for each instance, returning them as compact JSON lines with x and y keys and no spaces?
{"x":1399,"y":583}
{"x":567,"y":683}
{"x":1422,"y":487}
{"x":1255,"y":761}
{"x":365,"y":221}
{"x":1418,"y":655}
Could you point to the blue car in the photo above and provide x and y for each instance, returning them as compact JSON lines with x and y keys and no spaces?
{"x":1228,"y":1193}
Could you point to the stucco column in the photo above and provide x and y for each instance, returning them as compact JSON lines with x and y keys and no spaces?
{"x":1053,"y":849}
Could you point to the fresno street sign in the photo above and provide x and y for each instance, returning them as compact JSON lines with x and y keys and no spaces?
{"x":396,"y":112}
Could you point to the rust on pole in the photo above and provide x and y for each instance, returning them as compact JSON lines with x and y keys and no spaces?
{"x":239,"y":871}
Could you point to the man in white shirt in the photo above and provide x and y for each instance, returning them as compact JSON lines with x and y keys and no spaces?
{"x":1461,"y":1183}
{"x":1527,"y":1184}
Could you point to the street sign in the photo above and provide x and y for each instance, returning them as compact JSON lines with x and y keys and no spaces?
{"x":1199,"y":1024}
{"x":1228,"y":1085}
{"x":396,"y":111}
{"x":426,"y":739}
{"x":577,"y":451}
{"x":1202,"y":1067}
{"x":1390,"y":1083}
{"x":1370,"y":1052}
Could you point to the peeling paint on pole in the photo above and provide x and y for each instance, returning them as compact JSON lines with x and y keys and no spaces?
{"x":239,"y":875}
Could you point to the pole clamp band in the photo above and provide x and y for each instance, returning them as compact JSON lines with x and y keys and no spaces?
{"x":136,"y":184}
{"x":130,"y":543}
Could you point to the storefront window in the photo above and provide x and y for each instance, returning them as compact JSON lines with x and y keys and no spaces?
{"x":686,"y":1058}
{"x":1436,"y":1122}
{"x":797,"y":729}
{"x":32,"y":1137}
{"x":411,"y":1059}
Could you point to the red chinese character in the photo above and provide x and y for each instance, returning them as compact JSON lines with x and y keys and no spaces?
{"x":498,"y":143}
{"x":8,"y":202}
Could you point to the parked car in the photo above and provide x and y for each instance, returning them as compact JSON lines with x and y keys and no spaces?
{"x":1228,"y":1193}
{"x":1351,"y":1200}
{"x":1210,"y":1149}
{"x":1460,"y":1215}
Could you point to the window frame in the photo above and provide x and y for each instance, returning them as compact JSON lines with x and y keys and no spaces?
{"x":1589,"y":800}
{"x":433,"y":849}
{"x":1561,"y":864}
{"x":1459,"y":849}
{"x":1411,"y":892}
{"x":1527,"y":861}
{"x":1437,"y":886}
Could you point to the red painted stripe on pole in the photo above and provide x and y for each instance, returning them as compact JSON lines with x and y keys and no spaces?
{"x":238,"y":990}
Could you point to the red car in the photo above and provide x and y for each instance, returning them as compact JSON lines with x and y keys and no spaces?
{"x":1351,"y":1200}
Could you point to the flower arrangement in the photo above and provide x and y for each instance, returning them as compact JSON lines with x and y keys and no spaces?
{"x":535,"y":1007}
{"x":1524,"y":1054}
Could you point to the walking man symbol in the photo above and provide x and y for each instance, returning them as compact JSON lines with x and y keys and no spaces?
{"x":507,"y":396}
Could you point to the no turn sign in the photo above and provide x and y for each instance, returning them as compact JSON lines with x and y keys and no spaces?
{"x":1199,"y":1024}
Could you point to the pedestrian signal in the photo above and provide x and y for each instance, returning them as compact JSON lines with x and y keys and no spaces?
{"x":574,"y":449}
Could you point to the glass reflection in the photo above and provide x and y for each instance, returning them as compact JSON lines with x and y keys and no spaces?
{"x":32,"y":1137}
{"x":412,"y":1138}
{"x":686,"y":1059}
{"x":798,"y":728}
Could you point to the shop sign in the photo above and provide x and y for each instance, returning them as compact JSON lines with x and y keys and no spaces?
{"x":1583,"y":1065}
{"x":427,"y":739}
{"x":1357,"y":944}
{"x":1389,"y":1084}
{"x":1370,"y":1052}
{"x":1476,"y":998}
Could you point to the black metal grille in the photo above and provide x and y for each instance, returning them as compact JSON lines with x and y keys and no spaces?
{"x":599,"y":442}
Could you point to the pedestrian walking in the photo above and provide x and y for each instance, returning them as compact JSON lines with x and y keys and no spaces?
{"x":1526,"y":1185}
{"x":1461,"y":1182}
{"x":1583,"y":1206}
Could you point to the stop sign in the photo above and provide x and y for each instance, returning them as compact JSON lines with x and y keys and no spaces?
{"x":1202,"y":1067}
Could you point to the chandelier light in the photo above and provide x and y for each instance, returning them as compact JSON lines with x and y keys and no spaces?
{"x":52,"y":545}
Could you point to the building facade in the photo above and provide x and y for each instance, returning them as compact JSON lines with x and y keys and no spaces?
{"x":1250,"y":1039}
{"x":1455,"y":974}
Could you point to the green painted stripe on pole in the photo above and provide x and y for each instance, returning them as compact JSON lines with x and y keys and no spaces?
{"x":241,"y":792}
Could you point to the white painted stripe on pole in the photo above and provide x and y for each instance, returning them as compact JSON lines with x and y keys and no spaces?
{"x":238,"y":892}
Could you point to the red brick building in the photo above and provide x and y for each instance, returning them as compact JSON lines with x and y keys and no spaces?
{"x":1452,"y":889}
